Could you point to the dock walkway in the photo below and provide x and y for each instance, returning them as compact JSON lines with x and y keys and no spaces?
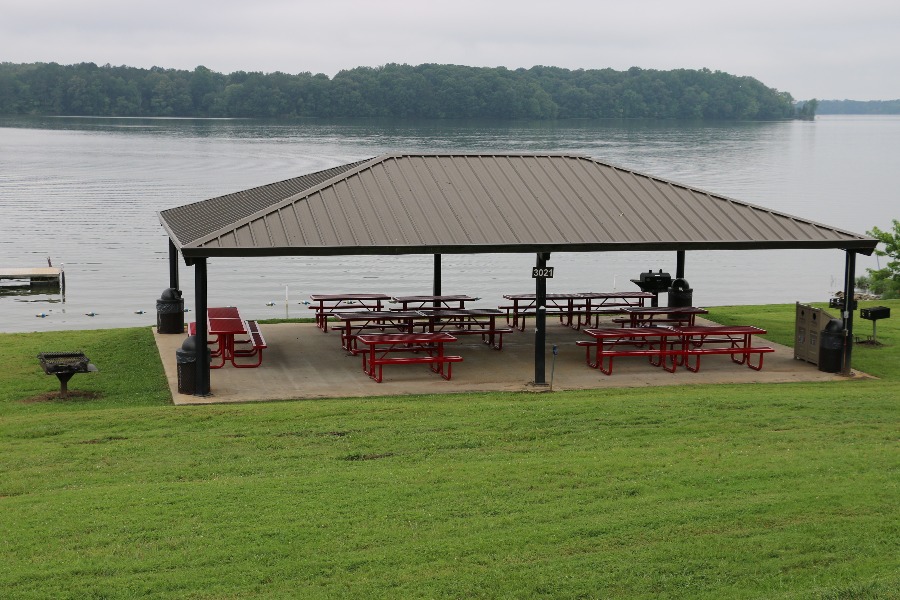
{"x":35,"y":275}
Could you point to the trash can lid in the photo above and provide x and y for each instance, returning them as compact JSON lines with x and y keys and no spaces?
{"x":834,"y":326}
{"x":170,"y":294}
{"x":681,"y":285}
{"x":190,"y":344}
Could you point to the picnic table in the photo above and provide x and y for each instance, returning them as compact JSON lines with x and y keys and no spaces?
{"x":425,"y":347}
{"x":574,"y":309}
{"x":466,"y":321}
{"x":672,"y":346}
{"x":604,"y":303}
{"x":431,"y":302}
{"x":328,"y":304}
{"x":733,"y":340}
{"x":361,"y":321}
{"x":661,"y":345}
{"x":225,"y":323}
{"x":648,"y":316}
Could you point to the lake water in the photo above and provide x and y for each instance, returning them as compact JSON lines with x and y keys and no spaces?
{"x":85,"y":193}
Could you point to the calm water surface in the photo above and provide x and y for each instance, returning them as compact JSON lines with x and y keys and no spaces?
{"x":85,"y":193}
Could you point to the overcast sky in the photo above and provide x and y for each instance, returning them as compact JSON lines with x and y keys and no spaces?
{"x":826,"y":49}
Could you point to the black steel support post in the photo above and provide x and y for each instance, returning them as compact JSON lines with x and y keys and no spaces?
{"x":173,"y":266}
{"x":202,"y":385}
{"x":849,"y":287}
{"x":540,"y":321}
{"x":679,"y":264}
{"x":436,"y":284}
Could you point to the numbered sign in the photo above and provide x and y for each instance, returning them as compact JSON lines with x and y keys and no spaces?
{"x":542,"y":272}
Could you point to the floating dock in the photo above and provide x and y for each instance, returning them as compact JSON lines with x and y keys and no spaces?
{"x":35,"y":276}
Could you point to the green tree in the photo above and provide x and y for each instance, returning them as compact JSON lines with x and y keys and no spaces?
{"x":886,"y":280}
{"x":807,"y":111}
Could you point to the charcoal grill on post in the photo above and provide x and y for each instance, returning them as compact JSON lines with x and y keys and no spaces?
{"x":874,"y":313}
{"x":64,"y":365}
{"x":654,"y":283}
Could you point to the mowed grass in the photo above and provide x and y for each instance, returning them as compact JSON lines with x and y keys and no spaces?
{"x":751,"y":491}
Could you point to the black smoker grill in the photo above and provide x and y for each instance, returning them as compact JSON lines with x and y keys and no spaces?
{"x":654,"y":283}
{"x":873,"y":313}
{"x":64,"y":365}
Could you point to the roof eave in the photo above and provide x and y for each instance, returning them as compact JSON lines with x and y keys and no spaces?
{"x":861,"y":246}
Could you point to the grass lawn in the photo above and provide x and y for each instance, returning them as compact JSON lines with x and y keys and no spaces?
{"x":744,"y":491}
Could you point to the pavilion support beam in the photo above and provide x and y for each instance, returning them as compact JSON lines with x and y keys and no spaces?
{"x":540,"y":321}
{"x":847,"y":313}
{"x":200,"y":302}
{"x":679,"y":265}
{"x":436,"y":282}
{"x":173,"y":266}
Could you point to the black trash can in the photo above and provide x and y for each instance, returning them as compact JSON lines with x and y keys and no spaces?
{"x":186,"y":360}
{"x":680,"y":294}
{"x":170,"y":312}
{"x":831,"y":347}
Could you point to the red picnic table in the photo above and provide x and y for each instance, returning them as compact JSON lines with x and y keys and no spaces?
{"x":426,"y":348}
{"x":661,"y":345}
{"x":328,"y":304}
{"x":225,"y":323}
{"x":680,"y":344}
{"x":734,"y":340}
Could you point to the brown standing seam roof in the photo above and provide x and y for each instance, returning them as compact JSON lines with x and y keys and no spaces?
{"x":471,"y":203}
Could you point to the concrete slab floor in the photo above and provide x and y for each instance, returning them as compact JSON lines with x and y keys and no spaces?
{"x":302,"y":362}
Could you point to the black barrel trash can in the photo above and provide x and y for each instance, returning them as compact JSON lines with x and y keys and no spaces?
{"x":186,"y":361}
{"x":170,"y":312}
{"x":681,"y":294}
{"x":831,"y":346}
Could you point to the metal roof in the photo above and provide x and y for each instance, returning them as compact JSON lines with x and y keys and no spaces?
{"x":471,"y":203}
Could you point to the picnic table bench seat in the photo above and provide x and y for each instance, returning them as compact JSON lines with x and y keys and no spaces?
{"x":257,"y":344}
{"x":629,"y":322}
{"x":735,"y":351}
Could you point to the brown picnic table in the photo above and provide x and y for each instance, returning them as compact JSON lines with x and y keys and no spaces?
{"x":574,"y":309}
{"x":328,"y":304}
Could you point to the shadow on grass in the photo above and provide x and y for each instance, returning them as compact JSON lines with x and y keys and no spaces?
{"x":72,"y":396}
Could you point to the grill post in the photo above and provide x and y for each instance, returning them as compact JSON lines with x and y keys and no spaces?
{"x":64,"y":384}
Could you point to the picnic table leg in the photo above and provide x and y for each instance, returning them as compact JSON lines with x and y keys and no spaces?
{"x":745,"y":356}
{"x":606,"y":370}
{"x":222,"y":354}
{"x":440,"y":348}
{"x":587,"y":354}
{"x":759,"y":366}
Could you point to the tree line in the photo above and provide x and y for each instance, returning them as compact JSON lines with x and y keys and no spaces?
{"x":859,"y":107}
{"x":393,"y":90}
